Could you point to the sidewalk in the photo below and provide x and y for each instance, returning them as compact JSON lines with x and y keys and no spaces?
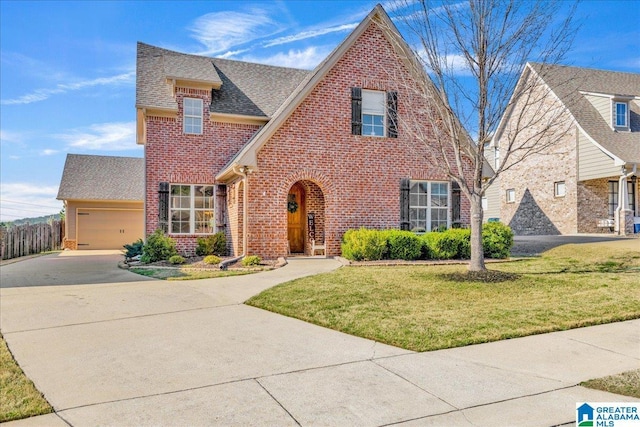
{"x":189,"y":353}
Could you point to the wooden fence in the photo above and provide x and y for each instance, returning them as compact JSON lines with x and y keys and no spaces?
{"x":27,"y":239}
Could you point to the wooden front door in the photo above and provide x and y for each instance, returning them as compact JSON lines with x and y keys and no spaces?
{"x":296,"y":220}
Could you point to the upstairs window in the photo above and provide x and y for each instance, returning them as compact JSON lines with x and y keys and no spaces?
{"x":374,"y":113}
{"x":193,"y":116}
{"x":620,"y":114}
{"x":373,"y":110}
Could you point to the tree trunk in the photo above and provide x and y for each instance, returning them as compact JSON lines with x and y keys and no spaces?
{"x":477,"y":253}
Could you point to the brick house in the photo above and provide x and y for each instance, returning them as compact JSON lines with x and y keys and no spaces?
{"x":586,"y":182}
{"x":280,"y":158}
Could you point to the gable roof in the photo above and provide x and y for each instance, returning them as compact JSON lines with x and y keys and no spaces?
{"x":566,"y":82}
{"x":88,"y":177}
{"x":240,"y":88}
{"x":247,"y":155}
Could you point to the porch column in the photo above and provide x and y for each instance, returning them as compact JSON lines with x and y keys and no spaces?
{"x":624,"y":215}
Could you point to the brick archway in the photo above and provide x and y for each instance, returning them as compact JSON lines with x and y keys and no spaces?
{"x":315,"y":187}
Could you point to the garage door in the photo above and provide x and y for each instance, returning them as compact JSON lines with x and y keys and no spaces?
{"x":109,"y":229}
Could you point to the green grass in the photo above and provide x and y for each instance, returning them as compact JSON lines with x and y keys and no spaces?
{"x":186,"y":273}
{"x":426,"y":307}
{"x":19,"y":398}
{"x":627,"y":384}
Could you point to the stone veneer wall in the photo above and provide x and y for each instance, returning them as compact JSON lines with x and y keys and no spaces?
{"x":536,"y":209}
{"x":593,"y":205}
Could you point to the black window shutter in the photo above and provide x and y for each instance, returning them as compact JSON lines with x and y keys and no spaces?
{"x":455,"y":204}
{"x":405,"y":185}
{"x":392,"y":114}
{"x":163,"y":207}
{"x":356,"y":111}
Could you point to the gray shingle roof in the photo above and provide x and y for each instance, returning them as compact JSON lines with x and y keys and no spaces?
{"x":566,"y":82}
{"x":247,"y":88}
{"x":88,"y":177}
{"x":253,"y":89}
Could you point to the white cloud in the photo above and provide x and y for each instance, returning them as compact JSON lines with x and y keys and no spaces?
{"x":306,"y":59}
{"x":48,"y":152}
{"x":117,"y":136}
{"x":8,"y":137}
{"x":220,"y":31}
{"x":24,"y":200}
{"x":42,"y":94}
{"x":310,"y":34}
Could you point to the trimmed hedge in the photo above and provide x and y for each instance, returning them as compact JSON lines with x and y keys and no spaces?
{"x":403,"y":245}
{"x":373,"y":245}
{"x":497,"y":240}
{"x":364,"y":245}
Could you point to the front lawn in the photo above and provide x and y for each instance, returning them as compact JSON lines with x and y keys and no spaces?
{"x":18,"y":396}
{"x":626,"y":384}
{"x":186,"y":273}
{"x":425,"y":307}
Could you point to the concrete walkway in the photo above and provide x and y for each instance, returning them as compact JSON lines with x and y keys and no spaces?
{"x":190,"y":353}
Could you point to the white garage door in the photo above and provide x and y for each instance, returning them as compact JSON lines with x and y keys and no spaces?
{"x":108,"y":229}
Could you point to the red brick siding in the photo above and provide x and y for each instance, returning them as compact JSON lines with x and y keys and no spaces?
{"x":351,"y":181}
{"x":174,"y":157}
{"x":359,"y":176}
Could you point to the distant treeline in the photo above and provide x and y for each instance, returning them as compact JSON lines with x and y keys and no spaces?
{"x":36,"y":220}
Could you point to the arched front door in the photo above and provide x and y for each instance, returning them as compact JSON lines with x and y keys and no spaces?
{"x":296,"y":218}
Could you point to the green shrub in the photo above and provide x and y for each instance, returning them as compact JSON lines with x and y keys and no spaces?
{"x":431,"y":248}
{"x":455,"y":243}
{"x":251,"y":260}
{"x":403,"y":245}
{"x":177,"y":259}
{"x":212,"y":260}
{"x":363,"y":245}
{"x":216,"y":244}
{"x":497,"y":240}
{"x":134,"y":249}
{"x":158,"y":247}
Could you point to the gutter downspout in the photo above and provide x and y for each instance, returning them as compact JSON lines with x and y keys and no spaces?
{"x":623,"y":196}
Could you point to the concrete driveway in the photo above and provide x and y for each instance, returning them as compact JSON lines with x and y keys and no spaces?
{"x":535,"y":245}
{"x":190,"y":353}
{"x":67,"y":268}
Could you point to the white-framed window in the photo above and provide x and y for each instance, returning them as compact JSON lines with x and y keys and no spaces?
{"x":620,"y":114}
{"x":496,"y":158}
{"x":191,"y":209}
{"x":613,"y":197}
{"x":192,"y":116}
{"x":429,"y":203}
{"x":485,"y":203}
{"x":559,"y":189}
{"x":511,"y":195}
{"x":373,"y":113}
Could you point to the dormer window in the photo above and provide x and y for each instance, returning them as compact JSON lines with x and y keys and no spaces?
{"x":193,"y":116}
{"x":621,"y":114}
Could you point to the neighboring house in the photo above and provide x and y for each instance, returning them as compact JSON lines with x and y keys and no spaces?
{"x":278,"y":158}
{"x":103,"y":199}
{"x":587,"y":182}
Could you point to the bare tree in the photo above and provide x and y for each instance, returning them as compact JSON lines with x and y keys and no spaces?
{"x":471,"y":56}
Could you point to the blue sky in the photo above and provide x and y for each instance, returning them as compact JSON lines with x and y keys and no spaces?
{"x":67,"y":69}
